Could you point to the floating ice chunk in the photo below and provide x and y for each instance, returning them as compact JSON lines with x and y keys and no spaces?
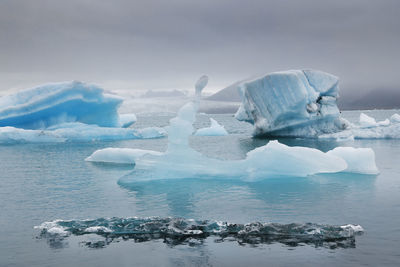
{"x":179,"y":230}
{"x":9,"y":135}
{"x":126,"y":120}
{"x":278,"y":159}
{"x":291,"y":103}
{"x":359,"y":160}
{"x":98,"y":229}
{"x":368,"y":128}
{"x":352,"y":228}
{"x":53,"y":228}
{"x":214,"y":130}
{"x":55,"y":103}
{"x":120,"y":155}
{"x":76,"y":131}
{"x":395,"y":118}
{"x":367,"y":121}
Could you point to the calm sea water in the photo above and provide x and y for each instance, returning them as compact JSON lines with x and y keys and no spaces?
{"x":44,"y":182}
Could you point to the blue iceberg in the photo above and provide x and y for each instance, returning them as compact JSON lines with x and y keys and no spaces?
{"x":291,"y":103}
{"x":67,"y":111}
{"x":50,"y":104}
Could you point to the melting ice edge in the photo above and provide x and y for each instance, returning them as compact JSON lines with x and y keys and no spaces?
{"x":175,"y":231}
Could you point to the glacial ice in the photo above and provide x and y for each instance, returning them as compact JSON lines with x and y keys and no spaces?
{"x":214,"y":130}
{"x":55,"y":103}
{"x":68,"y":111}
{"x":179,"y":230}
{"x":126,"y":120}
{"x":76,"y":131}
{"x":359,"y":160}
{"x":369,"y":128}
{"x":120,"y":155}
{"x":273,"y":159}
{"x":298,"y":103}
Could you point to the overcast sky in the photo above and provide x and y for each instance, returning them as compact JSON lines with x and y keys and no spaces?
{"x":154,"y":44}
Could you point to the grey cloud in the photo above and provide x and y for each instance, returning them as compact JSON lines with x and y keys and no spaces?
{"x":153,"y":44}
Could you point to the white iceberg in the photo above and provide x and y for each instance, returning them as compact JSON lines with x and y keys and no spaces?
{"x":299,"y":103}
{"x":369,"y":128}
{"x":271,"y":160}
{"x":214,"y":130}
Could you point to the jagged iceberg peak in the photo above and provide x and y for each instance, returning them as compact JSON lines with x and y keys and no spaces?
{"x":291,"y":103}
{"x":54,"y":103}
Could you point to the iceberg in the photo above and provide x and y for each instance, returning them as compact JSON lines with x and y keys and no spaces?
{"x":369,"y":128}
{"x":272,"y":160}
{"x":296,"y":103}
{"x":67,"y":111}
{"x":214,"y":130}
{"x":55,"y":103}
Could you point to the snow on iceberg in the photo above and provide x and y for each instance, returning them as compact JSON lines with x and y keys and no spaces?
{"x":214,"y":130}
{"x":299,"y":103}
{"x":369,"y":128}
{"x":271,"y":160}
{"x":68,"y":111}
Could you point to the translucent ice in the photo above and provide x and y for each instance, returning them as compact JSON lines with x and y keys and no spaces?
{"x":359,"y":160}
{"x":181,"y":161}
{"x":179,"y":230}
{"x":291,"y":103}
{"x":214,"y":130}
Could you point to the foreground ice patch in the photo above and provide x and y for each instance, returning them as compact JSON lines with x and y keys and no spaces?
{"x":369,"y":128}
{"x":68,"y":111}
{"x":178,"y":231}
{"x":291,"y":103}
{"x":271,"y":160}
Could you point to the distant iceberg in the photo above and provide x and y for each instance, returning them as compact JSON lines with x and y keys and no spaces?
{"x":369,"y":128}
{"x":67,"y":111}
{"x":214,"y":130}
{"x":76,"y":131}
{"x":297,"y":103}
